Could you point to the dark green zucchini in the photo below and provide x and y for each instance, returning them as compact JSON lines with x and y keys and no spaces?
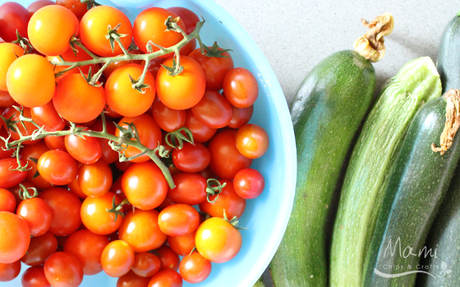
{"x":448,"y":63}
{"x":416,"y":187}
{"x":327,"y":111}
{"x":443,"y":265}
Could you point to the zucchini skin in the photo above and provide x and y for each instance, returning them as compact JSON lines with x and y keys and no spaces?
{"x":416,"y":187}
{"x":444,"y":238}
{"x":327,"y":112}
{"x":448,"y":63}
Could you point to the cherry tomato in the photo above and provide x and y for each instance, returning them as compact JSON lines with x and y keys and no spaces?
{"x":13,"y":114}
{"x":37,"y":215}
{"x":144,"y":185}
{"x":80,"y":242}
{"x":6,"y":100}
{"x":169,"y":259}
{"x":63,"y":270}
{"x":190,"y":19}
{"x":240,"y":87}
{"x":190,"y":188}
{"x":13,"y":16}
{"x":130,"y":279}
{"x":146,"y":264}
{"x":74,"y":187}
{"x":217,"y":240}
{"x":40,"y":248}
{"x":15,"y":235}
{"x":201,"y":132}
{"x":8,"y":54}
{"x":252,"y":141}
{"x":77,"y":7}
{"x":7,"y":201}
{"x":95,"y":217}
{"x":55,"y":142}
{"x":166,"y":278}
{"x":191,"y":158}
{"x":240,"y":116}
{"x":117,"y":64}
{"x":57,"y":167}
{"x":30,"y":80}
{"x":73,"y":56}
{"x":226,"y":160}
{"x":248,"y":183}
{"x":93,"y":29}
{"x":31,"y":154}
{"x":122,"y":97}
{"x":117,"y":258}
{"x":182,"y":245}
{"x":227,"y":200}
{"x":95,"y":179}
{"x":35,"y":277}
{"x":51,"y":28}
{"x":178,"y":220}
{"x":8,"y":176}
{"x":194,"y":268}
{"x":182,"y":91}
{"x":148,"y":132}
{"x":34,"y":6}
{"x":16,"y":190}
{"x":108,"y":154}
{"x":65,"y":209}
{"x":149,"y":25}
{"x":140,"y":229}
{"x":86,"y":150}
{"x":167,"y":119}
{"x":4,"y":153}
{"x":87,"y":101}
{"x":9,"y":271}
{"x":47,"y":117}
{"x":213,"y":110}
{"x":215,"y":65}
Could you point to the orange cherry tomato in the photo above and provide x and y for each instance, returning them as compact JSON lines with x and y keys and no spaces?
{"x":117,"y":258}
{"x":95,"y":217}
{"x":8,"y":54}
{"x":252,"y":141}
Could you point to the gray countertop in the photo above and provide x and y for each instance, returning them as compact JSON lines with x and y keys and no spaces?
{"x":295,"y":35}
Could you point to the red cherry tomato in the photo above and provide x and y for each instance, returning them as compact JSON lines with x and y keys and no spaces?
{"x":190,"y":188}
{"x":5,"y":99}
{"x":51,"y":28}
{"x":7,"y":201}
{"x":182,"y":245}
{"x":57,"y":167}
{"x":227,"y":200}
{"x":248,"y":183}
{"x":146,"y":264}
{"x":31,"y":153}
{"x":144,"y":185}
{"x":213,"y":110}
{"x":77,"y":7}
{"x":13,"y":16}
{"x":35,"y":277}
{"x":240,"y":117}
{"x":95,"y":217}
{"x":9,"y":271}
{"x":149,"y":25}
{"x":34,"y":6}
{"x":65,"y":209}
{"x":226,"y":160}
{"x":47,"y":117}
{"x":201,"y":132}
{"x":194,"y":268}
{"x":252,"y":141}
{"x":73,"y":56}
{"x":40,"y":248}
{"x":37,"y":215}
{"x":95,"y":179}
{"x":117,"y":258}
{"x":8,"y":176}
{"x":63,"y":270}
{"x":15,"y":235}
{"x":140,"y":229}
{"x":130,"y":279}
{"x":108,"y":154}
{"x":190,"y":19}
{"x":169,"y":259}
{"x":178,"y":220}
{"x":93,"y":29}
{"x":86,"y":150}
{"x":80,"y":243}
{"x":167,"y":119}
{"x":191,"y":158}
{"x":13,"y":114}
{"x":240,"y":87}
{"x":217,"y":240}
{"x":166,"y":278}
{"x":182,"y":91}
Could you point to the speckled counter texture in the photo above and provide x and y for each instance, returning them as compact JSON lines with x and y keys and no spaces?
{"x":295,"y":35}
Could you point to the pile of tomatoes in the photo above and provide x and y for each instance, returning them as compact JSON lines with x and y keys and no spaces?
{"x":74,"y":208}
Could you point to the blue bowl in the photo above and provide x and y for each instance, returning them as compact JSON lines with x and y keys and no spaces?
{"x":266,"y":217}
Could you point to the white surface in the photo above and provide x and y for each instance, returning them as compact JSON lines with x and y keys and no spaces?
{"x":295,"y":35}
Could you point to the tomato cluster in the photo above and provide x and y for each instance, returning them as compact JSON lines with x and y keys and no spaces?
{"x":71,"y":205}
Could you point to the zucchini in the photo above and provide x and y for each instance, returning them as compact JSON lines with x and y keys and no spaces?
{"x":372,"y":157}
{"x":416,"y":186}
{"x":448,"y":62}
{"x":326,"y":112}
{"x":444,"y":239}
